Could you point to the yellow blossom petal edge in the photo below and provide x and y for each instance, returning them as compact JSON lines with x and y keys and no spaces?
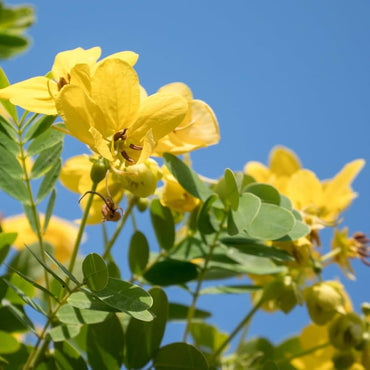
{"x":178,"y":88}
{"x":283,"y":161}
{"x":33,"y":95}
{"x":66,"y":60}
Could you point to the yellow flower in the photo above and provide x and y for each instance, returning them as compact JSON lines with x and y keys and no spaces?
{"x":321,"y":202}
{"x":174,"y":196}
{"x":313,"y":336}
{"x":198,"y":129}
{"x":38,"y":94}
{"x":75,"y":176}
{"x":108,"y":114}
{"x":61,"y":234}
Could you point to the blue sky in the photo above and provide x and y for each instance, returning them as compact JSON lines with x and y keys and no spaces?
{"x":294,"y":73}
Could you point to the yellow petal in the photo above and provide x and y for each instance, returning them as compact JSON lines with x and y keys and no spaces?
{"x":201,"y":131}
{"x":283,"y":161}
{"x":80,"y":76}
{"x":100,"y":145}
{"x":66,"y":60}
{"x":148,"y":147}
{"x":33,"y":95}
{"x":258,"y":171}
{"x":304,"y":190}
{"x":127,"y":56}
{"x":159,"y":112}
{"x":143,"y":93}
{"x":61,"y":234}
{"x":75,"y":174}
{"x":337,"y":192}
{"x":116,"y":90}
{"x":177,"y":88}
{"x":79,"y":113}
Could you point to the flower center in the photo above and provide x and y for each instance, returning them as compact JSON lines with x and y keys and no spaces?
{"x":62,"y":81}
{"x":120,"y":138}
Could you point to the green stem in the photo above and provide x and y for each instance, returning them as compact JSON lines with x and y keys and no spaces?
{"x":241,"y":325}
{"x":32,"y":205}
{"x":81,"y":229}
{"x":330,"y":254}
{"x":37,"y":351}
{"x":192,"y":307}
{"x":111,"y":242}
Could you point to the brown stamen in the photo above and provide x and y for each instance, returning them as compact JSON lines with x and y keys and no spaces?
{"x":127,"y":157}
{"x":62,"y":82}
{"x":120,"y":135}
{"x":136,"y":147}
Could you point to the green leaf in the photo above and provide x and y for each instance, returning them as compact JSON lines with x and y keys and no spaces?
{"x":10,"y":164}
{"x":207,"y":337}
{"x":189,"y":248}
{"x":21,"y":317}
{"x":180,"y":356}
{"x":249,"y":206}
{"x":62,"y":268}
{"x":67,"y":357}
{"x":265,"y":192}
{"x":38,"y":127}
{"x":262,"y":346}
{"x":230,"y":289}
{"x":63,"y":332}
{"x":46,"y":160}
{"x":285,"y":202}
{"x":144,"y":338}
{"x":138,"y":254}
{"x":17,"y":359}
{"x":8,"y":129}
{"x":105,"y":343}
{"x":68,"y":314}
{"x":232,"y":191}
{"x":49,"y":181}
{"x":8,"y":344}
{"x":272,"y":222}
{"x":11,"y":44}
{"x":15,"y":188}
{"x":6,"y":240}
{"x":171,"y":272}
{"x":9,"y":144}
{"x":239,"y":245}
{"x":179,"y":312}
{"x":186,"y":177}
{"x":9,"y":107}
{"x":49,"y":209}
{"x":10,"y":322}
{"x":204,"y":222}
{"x":118,"y":295}
{"x":95,"y":272}
{"x":14,"y":281}
{"x":33,"y":219}
{"x":45,"y":141}
{"x":299,"y":230}
{"x":163,"y":223}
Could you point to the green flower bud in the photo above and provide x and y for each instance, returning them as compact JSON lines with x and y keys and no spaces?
{"x":281,"y":294}
{"x":142,"y":204}
{"x":323,"y":301}
{"x":140,"y":179}
{"x":99,"y":170}
{"x":346,"y":331}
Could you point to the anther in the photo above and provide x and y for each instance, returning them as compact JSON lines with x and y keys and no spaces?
{"x":62,"y":82}
{"x":136,"y":147}
{"x":127,"y":157}
{"x":120,"y":135}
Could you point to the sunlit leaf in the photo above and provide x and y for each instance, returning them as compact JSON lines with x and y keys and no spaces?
{"x":267,"y":193}
{"x":204,"y":220}
{"x":231,"y":289}
{"x":49,"y":209}
{"x":8,"y":344}
{"x":63,"y":332}
{"x":163,"y":223}
{"x":207,"y":337}
{"x":67,"y":357}
{"x":95,"y":272}
{"x":10,"y":164}
{"x":46,"y":160}
{"x":38,"y":127}
{"x":144,"y":338}
{"x":71,"y":315}
{"x":45,"y":141}
{"x":179,"y":356}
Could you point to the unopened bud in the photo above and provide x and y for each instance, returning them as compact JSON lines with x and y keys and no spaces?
{"x":346,"y":331}
{"x":323,"y":302}
{"x":142,"y":204}
{"x":343,"y":360}
{"x":99,"y":170}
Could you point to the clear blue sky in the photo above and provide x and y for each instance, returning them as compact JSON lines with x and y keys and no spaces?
{"x":275,"y":72}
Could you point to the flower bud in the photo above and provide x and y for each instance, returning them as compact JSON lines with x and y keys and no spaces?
{"x":140,"y":179}
{"x":323,"y":301}
{"x":346,"y":331}
{"x":99,"y":170}
{"x":343,"y":360}
{"x":142,"y":204}
{"x":281,"y":294}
